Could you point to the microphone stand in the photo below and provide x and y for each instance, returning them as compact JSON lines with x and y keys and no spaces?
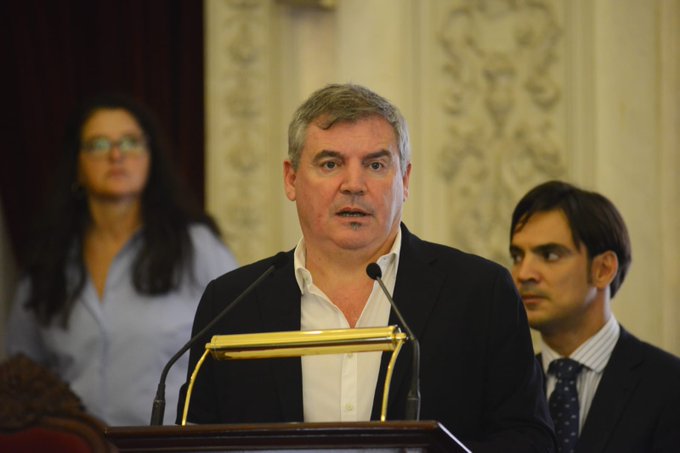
{"x":412,"y":411}
{"x":158,"y":408}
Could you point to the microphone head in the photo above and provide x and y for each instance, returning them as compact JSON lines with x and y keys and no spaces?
{"x":280,"y":260}
{"x":374,"y":271}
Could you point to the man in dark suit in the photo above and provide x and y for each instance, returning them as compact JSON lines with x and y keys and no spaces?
{"x":571,"y":252}
{"x":348,"y":173}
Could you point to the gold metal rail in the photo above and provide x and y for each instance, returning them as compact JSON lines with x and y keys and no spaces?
{"x":300,"y":343}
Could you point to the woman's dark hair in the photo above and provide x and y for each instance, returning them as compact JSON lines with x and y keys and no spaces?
{"x":167,"y":212}
{"x":593,"y":219}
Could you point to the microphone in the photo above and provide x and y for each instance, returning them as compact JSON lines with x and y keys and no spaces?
{"x":158,"y":409}
{"x":412,"y":411}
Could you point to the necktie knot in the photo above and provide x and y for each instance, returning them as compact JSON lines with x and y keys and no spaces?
{"x":565,"y":369}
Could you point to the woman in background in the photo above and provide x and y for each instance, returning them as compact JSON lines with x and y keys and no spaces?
{"x":118,"y":266}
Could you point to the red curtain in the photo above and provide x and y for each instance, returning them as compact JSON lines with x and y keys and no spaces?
{"x":56,"y":53}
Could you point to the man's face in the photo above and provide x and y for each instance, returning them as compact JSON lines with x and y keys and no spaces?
{"x":552,"y":273}
{"x":348,"y":187}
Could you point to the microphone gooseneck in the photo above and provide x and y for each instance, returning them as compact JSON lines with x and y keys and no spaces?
{"x":158,"y":409}
{"x":412,"y":411}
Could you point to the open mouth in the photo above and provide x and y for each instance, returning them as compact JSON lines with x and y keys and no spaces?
{"x":352,"y":213}
{"x":531,"y":298}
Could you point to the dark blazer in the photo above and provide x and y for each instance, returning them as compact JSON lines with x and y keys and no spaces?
{"x":478,"y":373}
{"x":636,"y":407}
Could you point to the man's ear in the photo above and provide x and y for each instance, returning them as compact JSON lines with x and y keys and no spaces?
{"x":405,"y":180}
{"x":604,"y":268}
{"x":289,"y":179}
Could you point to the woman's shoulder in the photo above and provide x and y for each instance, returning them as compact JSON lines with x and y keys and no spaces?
{"x":200,"y":232}
{"x":210,"y":251}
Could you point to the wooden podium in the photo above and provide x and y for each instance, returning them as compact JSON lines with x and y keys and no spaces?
{"x":383,"y":437}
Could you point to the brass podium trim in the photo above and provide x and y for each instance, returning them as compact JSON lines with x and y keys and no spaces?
{"x":299,"y":343}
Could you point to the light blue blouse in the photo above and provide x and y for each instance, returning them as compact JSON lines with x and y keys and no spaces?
{"x":114,"y":350}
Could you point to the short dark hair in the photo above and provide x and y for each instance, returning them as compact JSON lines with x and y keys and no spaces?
{"x":593,"y":219}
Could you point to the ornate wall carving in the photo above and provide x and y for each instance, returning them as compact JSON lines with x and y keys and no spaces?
{"x":502,"y":96}
{"x":237,"y":111}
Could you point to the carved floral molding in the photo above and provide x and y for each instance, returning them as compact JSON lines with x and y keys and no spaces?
{"x":501,"y":100}
{"x":241,"y":108}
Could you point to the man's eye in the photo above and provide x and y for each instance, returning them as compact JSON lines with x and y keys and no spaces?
{"x":329,"y":165}
{"x":376,"y":165}
{"x":551,"y":256}
{"x":516,"y":258}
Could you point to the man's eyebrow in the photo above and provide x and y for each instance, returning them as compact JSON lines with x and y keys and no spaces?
{"x":325,"y":154}
{"x":542,"y":248}
{"x":551,"y":247}
{"x":378,"y":154}
{"x":515,"y":249}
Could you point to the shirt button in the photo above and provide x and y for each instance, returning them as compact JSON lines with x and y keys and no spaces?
{"x":350,"y":355}
{"x":349,"y":407}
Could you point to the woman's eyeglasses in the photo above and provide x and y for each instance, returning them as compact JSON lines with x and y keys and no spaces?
{"x":102,"y":146}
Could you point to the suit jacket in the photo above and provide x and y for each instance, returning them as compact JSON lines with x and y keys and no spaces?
{"x":478,"y":373}
{"x":636,"y":407}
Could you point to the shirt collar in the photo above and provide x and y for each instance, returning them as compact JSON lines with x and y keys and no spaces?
{"x":594,"y":353}
{"x":303,"y":277}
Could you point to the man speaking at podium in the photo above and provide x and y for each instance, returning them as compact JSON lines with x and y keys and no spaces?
{"x":348,"y":172}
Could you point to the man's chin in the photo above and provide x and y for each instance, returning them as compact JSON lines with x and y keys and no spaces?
{"x":351,"y":244}
{"x":539,"y":322}
{"x":355,"y":239}
{"x":536,"y":317}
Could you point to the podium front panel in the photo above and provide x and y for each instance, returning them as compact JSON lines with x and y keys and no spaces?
{"x":374,"y":437}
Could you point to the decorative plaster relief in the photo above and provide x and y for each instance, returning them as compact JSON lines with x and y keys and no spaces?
{"x":501,"y":102}
{"x":241,"y":76}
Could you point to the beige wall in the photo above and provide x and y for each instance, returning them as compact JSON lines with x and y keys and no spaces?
{"x":499,"y":95}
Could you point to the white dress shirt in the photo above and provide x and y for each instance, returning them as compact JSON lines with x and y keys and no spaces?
{"x":341,"y":387}
{"x":594,"y":354}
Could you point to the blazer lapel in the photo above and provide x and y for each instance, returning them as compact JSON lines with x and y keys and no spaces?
{"x":619,"y":378}
{"x":539,"y":359}
{"x":280,"y":310}
{"x":415,"y":293}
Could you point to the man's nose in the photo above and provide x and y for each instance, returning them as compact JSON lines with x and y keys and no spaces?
{"x":354,"y":180}
{"x":525,"y":270}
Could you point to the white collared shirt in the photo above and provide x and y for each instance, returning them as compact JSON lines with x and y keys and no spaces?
{"x":341,"y":387}
{"x":594,"y":354}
